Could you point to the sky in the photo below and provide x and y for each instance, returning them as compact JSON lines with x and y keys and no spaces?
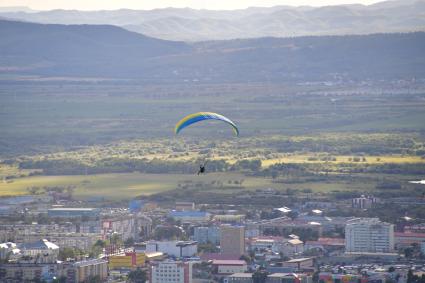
{"x":153,"y":4}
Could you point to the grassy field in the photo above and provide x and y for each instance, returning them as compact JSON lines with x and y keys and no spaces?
{"x":129,"y":185}
{"x":123,"y":186}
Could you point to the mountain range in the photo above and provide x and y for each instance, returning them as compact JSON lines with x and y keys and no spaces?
{"x":113,"y":52}
{"x":184,"y":24}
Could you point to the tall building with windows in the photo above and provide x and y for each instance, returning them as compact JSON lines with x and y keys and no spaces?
{"x":171,"y":272}
{"x":363,"y":202}
{"x":204,"y":235}
{"x":232,"y":239}
{"x":369,"y":235}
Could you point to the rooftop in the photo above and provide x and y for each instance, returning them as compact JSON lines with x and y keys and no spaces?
{"x":189,"y":213}
{"x":228,"y":262}
{"x":295,"y":242}
{"x":39,"y":245}
{"x":90,"y":262}
{"x":299,"y":259}
{"x":153,"y":254}
{"x":241,"y":275}
{"x":72,"y":209}
{"x":219,"y":256}
{"x":7,"y":245}
{"x":328,"y":242}
{"x":280,"y":275}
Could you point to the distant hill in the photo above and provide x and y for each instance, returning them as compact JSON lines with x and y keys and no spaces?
{"x":280,"y":21}
{"x":109,"y":51}
{"x":78,"y":49}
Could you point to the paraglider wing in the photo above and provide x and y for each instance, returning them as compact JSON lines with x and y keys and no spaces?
{"x":201,"y":116}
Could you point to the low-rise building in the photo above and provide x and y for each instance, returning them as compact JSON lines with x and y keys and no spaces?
{"x":43,"y":251}
{"x":28,"y":272}
{"x":22,"y":233}
{"x":288,"y":278}
{"x":363,"y":202}
{"x":229,"y":218}
{"x":173,"y":248}
{"x":239,"y":278}
{"x":129,"y":260}
{"x":289,"y":247}
{"x":326,"y":244}
{"x":373,"y":275}
{"x":8,"y":249}
{"x":72,"y":240}
{"x":84,"y":270}
{"x":73,"y":212}
{"x":229,"y":266}
{"x":185,"y":206}
{"x":252,"y":230}
{"x":325,"y":277}
{"x":403,"y":239}
{"x":171,"y":272}
{"x":285,"y":225}
{"x":190,"y":216}
{"x":297,"y":264}
{"x":89,"y":227}
{"x":271,"y":278}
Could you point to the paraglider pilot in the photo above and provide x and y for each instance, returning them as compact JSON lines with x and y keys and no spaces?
{"x":201,"y":169}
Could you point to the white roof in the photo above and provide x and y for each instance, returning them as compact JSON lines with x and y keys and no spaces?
{"x":295,"y":241}
{"x":72,"y":209}
{"x":284,"y":209}
{"x":7,"y":245}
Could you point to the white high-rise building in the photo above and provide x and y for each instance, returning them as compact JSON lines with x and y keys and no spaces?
{"x":171,"y":272}
{"x":369,"y":235}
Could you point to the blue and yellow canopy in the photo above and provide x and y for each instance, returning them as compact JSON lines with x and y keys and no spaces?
{"x":201,"y":116}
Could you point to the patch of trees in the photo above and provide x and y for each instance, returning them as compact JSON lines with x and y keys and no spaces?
{"x":349,"y":145}
{"x":125,"y":165}
{"x":386,"y":168}
{"x":119,"y":165}
{"x":168,"y":233}
{"x":70,"y":253}
{"x":246,"y":165}
{"x":137,"y":276}
{"x":285,"y":169}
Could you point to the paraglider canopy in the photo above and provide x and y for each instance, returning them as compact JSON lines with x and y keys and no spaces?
{"x":201,"y":116}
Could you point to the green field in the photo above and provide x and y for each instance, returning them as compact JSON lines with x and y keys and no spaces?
{"x":129,"y":185}
{"x":123,"y":186}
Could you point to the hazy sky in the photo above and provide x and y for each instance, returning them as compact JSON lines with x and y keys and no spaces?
{"x":152,"y":4}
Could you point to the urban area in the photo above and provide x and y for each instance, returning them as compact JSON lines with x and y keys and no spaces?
{"x":193,"y":242}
